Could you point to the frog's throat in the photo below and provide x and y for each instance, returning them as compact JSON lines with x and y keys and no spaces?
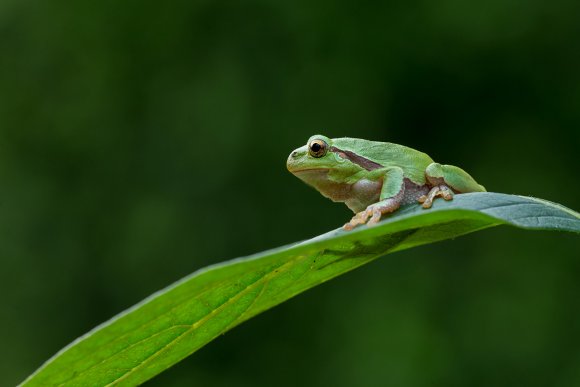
{"x":318,"y":178}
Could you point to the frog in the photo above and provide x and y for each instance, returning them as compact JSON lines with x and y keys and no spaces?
{"x":375,"y":178}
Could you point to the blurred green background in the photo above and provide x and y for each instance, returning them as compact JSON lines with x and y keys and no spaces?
{"x":142,"y":141}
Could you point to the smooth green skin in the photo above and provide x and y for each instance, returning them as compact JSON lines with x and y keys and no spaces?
{"x":370,"y":176}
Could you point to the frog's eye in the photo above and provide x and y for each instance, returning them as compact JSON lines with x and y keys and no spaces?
{"x":317,"y":148}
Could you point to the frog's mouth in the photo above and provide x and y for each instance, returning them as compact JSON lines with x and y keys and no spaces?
{"x":310,"y":170}
{"x":310,"y":174}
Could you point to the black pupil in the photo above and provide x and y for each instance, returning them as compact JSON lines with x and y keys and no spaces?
{"x":315,"y":147}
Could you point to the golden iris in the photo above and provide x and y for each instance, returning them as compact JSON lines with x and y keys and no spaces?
{"x":317,"y":148}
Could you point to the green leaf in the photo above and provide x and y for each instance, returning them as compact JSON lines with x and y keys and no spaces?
{"x":175,"y":322}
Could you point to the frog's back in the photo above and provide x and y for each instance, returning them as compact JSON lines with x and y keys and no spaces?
{"x":386,"y":154}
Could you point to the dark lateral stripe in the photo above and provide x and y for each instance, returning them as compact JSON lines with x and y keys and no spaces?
{"x":358,"y":160}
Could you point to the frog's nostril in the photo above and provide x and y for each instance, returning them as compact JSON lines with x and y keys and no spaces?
{"x":294,"y":154}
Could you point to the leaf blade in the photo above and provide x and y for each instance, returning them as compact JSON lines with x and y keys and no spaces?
{"x":173,"y":323}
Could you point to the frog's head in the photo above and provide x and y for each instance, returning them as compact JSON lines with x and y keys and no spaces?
{"x":316,"y":155}
{"x":313,"y":161}
{"x":328,"y":168}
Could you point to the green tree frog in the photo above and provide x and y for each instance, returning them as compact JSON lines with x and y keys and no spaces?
{"x":375,"y":178}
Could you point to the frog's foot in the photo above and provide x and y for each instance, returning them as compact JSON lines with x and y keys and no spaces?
{"x":439,"y":190}
{"x":374,"y":212}
{"x":359,"y":218}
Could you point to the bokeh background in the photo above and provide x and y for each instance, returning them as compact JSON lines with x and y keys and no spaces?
{"x":142,"y":141}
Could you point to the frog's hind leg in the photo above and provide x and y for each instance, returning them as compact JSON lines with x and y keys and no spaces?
{"x":439,"y":190}
{"x":447,"y":180}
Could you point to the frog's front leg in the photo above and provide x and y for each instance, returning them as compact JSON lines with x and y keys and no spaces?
{"x":392,"y":193}
{"x":447,"y":180}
